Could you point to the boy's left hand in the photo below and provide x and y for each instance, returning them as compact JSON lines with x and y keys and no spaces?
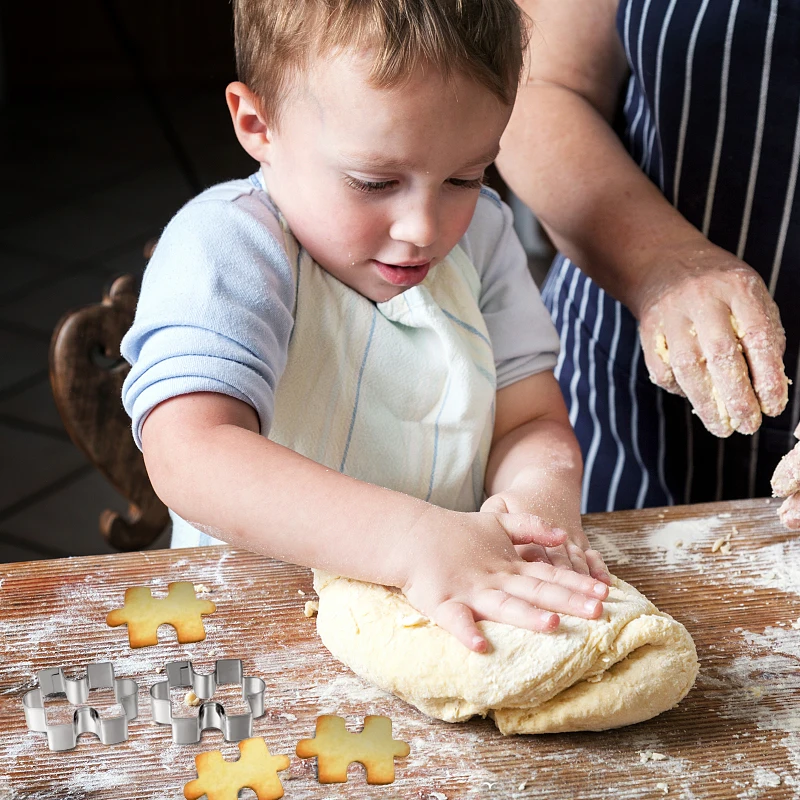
{"x":575,"y":554}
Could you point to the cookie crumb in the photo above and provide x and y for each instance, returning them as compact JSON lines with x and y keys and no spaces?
{"x":311,"y":608}
{"x":192,"y":700}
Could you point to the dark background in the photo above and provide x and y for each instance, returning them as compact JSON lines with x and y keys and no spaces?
{"x":112,"y":116}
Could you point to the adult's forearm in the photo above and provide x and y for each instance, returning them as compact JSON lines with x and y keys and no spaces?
{"x":561,"y":157}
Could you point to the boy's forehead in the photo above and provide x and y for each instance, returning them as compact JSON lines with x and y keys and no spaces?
{"x":346,"y":76}
{"x":426,"y":121}
{"x":375,"y":160}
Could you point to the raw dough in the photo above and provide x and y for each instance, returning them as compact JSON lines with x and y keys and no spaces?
{"x":631,"y":664}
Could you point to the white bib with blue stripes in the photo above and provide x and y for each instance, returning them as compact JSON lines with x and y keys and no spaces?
{"x":399,"y":394}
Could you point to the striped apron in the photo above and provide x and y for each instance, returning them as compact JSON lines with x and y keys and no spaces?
{"x":711,"y":114}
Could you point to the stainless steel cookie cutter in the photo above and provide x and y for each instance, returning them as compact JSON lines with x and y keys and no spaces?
{"x":187,"y":730}
{"x":64,"y":736}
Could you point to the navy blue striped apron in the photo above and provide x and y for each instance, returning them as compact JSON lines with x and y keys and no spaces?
{"x":711,"y":113}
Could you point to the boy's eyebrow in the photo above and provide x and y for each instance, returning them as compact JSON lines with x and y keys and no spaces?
{"x":382,"y":161}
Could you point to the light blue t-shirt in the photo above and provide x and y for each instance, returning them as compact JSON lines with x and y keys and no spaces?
{"x":215,"y":309}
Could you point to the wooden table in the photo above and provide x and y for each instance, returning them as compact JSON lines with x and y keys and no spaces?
{"x":737,"y":734}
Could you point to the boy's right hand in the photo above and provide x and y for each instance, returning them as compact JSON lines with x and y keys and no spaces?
{"x":463,"y":567}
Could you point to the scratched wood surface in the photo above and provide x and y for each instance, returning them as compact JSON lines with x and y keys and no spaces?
{"x":737,"y":734}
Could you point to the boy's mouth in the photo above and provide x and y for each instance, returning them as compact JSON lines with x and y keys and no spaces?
{"x":403,"y":274}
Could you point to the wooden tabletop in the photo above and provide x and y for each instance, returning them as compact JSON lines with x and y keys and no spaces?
{"x":736,"y":735}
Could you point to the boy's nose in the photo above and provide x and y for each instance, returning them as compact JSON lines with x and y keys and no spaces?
{"x":417,"y":224}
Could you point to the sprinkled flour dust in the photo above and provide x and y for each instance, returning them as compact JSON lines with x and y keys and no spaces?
{"x":758,"y":688}
{"x":681,"y":540}
{"x":610,"y":551}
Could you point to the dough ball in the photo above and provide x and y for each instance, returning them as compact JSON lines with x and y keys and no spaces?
{"x":589,"y":675}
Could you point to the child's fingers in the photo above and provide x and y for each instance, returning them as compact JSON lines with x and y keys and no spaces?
{"x":495,"y":504}
{"x":577,"y":558}
{"x":597,"y":567}
{"x":567,"y":578}
{"x":500,"y":606}
{"x":456,"y":618}
{"x":549,"y":597}
{"x":559,"y":557}
{"x":530,"y":529}
{"x":532,"y":552}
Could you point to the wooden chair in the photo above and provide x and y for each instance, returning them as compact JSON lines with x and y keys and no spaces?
{"x":86,"y":375}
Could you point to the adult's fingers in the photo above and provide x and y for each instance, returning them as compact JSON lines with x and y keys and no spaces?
{"x":656,"y":355}
{"x":789,"y":512}
{"x":727,"y":367}
{"x":691,"y":371}
{"x":786,"y":478}
{"x":756,"y":320}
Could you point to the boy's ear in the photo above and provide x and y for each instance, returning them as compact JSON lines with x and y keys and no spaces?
{"x":251,"y":128}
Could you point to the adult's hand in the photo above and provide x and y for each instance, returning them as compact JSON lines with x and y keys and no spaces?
{"x":710,"y":331}
{"x":786,"y":483}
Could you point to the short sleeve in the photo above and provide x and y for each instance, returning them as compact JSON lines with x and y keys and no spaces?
{"x":216,"y":306}
{"x":523,"y":337}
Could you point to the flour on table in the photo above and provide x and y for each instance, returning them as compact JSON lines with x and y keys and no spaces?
{"x":680,"y":540}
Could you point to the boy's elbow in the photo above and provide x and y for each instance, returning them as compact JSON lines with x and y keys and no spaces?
{"x":179,"y":441}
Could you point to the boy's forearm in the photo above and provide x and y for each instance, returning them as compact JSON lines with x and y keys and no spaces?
{"x":540,"y":460}
{"x":261,"y":496}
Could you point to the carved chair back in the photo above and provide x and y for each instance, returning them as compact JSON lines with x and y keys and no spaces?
{"x":86,"y":375}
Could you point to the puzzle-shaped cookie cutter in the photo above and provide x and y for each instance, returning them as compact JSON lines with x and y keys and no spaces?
{"x":64,"y":736}
{"x":188,"y":730}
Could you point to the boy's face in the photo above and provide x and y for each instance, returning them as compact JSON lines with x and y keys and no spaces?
{"x":380,"y":184}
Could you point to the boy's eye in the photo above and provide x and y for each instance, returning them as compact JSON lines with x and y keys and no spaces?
{"x":367,"y":186}
{"x":460,"y":183}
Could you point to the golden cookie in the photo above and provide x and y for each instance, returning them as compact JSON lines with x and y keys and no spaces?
{"x":143,"y":613}
{"x":336,"y":748}
{"x":256,"y":769}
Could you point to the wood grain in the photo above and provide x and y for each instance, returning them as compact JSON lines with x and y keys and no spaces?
{"x":86,"y":376}
{"x":737,"y":734}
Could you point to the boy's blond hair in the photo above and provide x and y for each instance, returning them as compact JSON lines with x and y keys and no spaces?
{"x":277,"y":39}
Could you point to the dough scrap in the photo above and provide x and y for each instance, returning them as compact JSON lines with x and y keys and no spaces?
{"x":590,"y":675}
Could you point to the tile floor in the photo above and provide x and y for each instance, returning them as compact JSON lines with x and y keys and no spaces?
{"x":84,"y":183}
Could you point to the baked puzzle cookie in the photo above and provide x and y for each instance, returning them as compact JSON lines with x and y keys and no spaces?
{"x":336,"y":748}
{"x":143,"y":613}
{"x":256,"y":769}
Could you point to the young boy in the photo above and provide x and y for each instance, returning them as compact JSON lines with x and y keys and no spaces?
{"x":334,"y":360}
